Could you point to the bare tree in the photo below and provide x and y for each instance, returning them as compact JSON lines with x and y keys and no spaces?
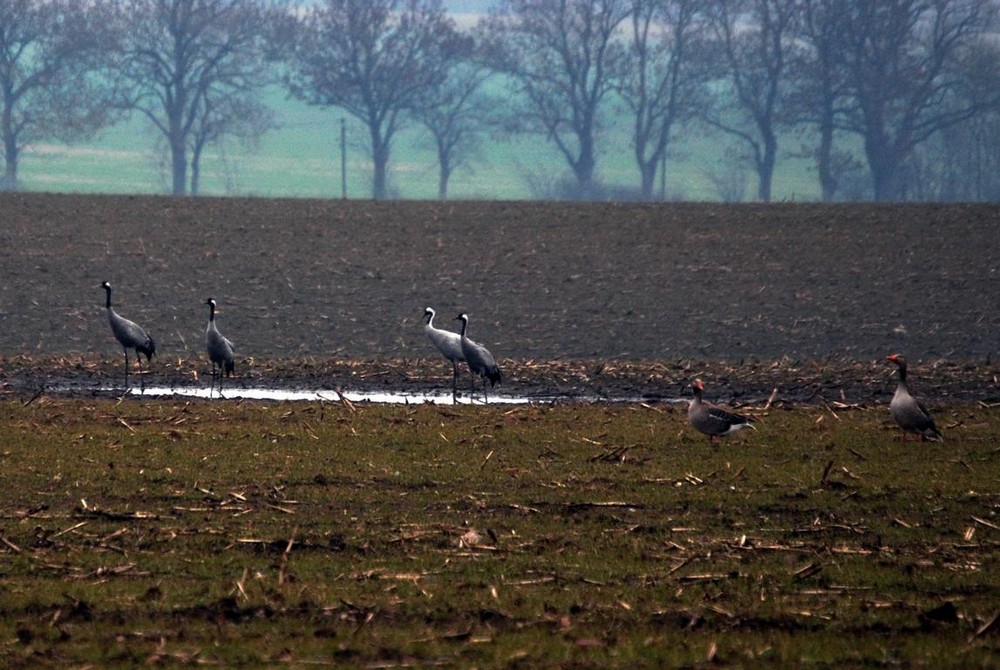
{"x":755,"y":38}
{"x":820,"y":92}
{"x":962,"y":161}
{"x":560,"y":56}
{"x":662,"y":78}
{"x":55,"y":82}
{"x":903,"y":60}
{"x":236,"y":116}
{"x":372,"y":58}
{"x":457,"y":113}
{"x":196,"y":69}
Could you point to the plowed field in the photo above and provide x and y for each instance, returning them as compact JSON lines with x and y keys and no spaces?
{"x":613,"y":297}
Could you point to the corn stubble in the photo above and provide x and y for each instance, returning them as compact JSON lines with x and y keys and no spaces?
{"x":598,"y":535}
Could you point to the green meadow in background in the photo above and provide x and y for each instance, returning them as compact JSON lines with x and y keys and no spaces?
{"x":301,"y":158}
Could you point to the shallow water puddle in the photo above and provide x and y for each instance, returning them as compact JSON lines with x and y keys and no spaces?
{"x":383,"y":397}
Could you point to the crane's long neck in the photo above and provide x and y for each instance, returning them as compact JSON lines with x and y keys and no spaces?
{"x":107,"y":299}
{"x":211,"y":313}
{"x":902,"y":375}
{"x":465,"y":324}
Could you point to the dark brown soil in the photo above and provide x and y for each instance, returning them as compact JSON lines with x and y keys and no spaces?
{"x":603,"y":298}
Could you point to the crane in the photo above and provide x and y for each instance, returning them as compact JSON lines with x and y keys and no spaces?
{"x":220,"y":349}
{"x":478,"y":358}
{"x":131,"y":336}
{"x":450,"y":346}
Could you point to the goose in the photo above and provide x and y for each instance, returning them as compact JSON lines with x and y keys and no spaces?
{"x":450,"y":346}
{"x":908,"y":412}
{"x":712,"y":420}
{"x":220,"y":350}
{"x":130,"y":335}
{"x":479,"y":359}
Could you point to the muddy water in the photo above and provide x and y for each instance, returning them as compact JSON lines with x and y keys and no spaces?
{"x":382,"y":397}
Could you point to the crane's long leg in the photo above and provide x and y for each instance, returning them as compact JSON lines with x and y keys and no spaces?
{"x":126,"y":370}
{"x":142,"y":379}
{"x":486,"y":393}
{"x":454,"y":383}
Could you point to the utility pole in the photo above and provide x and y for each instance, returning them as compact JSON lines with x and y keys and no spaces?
{"x":343,"y":158}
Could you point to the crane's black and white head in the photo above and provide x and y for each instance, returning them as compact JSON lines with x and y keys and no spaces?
{"x":463,"y":317}
{"x":211,"y":308}
{"x":428,"y":314}
{"x":107,"y":294}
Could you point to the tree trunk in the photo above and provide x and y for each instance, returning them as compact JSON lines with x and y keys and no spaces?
{"x":443,"y":176}
{"x":885,"y":183}
{"x":765,"y":170}
{"x":178,"y":163}
{"x":647,"y":169}
{"x":10,"y":153}
{"x":824,"y":158}
{"x":884,"y":169}
{"x":583,"y":168}
{"x":651,"y":165}
{"x":10,"y":156}
{"x":196,"y":169}
{"x":380,"y":160}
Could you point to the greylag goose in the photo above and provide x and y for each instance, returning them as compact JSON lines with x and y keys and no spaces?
{"x":908,"y":412}
{"x":712,"y":420}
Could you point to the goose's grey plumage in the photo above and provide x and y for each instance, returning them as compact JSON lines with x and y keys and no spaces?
{"x":130,"y":335}
{"x":220,"y":349}
{"x":908,"y":412}
{"x":712,"y":420}
{"x":478,"y":358}
{"x":450,"y":346}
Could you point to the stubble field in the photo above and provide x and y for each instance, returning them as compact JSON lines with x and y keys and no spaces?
{"x":566,"y":534}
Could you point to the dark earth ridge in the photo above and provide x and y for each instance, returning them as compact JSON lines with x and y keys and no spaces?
{"x":643,"y":295}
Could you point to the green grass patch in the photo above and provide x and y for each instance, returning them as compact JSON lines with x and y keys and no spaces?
{"x":566,"y":536}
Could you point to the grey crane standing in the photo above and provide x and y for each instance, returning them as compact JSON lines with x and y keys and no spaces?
{"x":479,"y":359}
{"x":450,"y":346}
{"x":220,"y":349}
{"x":131,"y":336}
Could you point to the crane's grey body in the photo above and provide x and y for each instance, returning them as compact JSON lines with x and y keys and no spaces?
{"x":479,"y":359}
{"x":712,"y":420}
{"x":450,"y":346}
{"x":220,"y":350}
{"x":908,"y":412}
{"x":130,"y":335}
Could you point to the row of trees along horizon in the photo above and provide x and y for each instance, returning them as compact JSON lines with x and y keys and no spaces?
{"x":887,"y":99}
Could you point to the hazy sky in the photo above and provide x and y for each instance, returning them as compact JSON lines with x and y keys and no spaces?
{"x":467,"y":5}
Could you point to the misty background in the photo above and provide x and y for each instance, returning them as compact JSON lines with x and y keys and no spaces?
{"x":728,"y":100}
